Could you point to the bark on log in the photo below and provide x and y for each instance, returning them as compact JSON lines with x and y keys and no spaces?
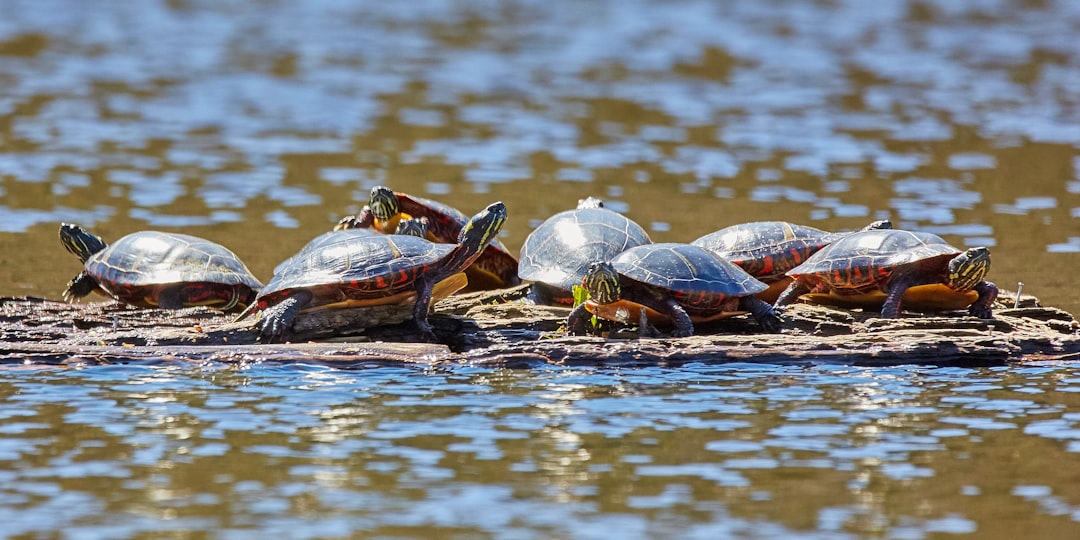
{"x":500,"y":329}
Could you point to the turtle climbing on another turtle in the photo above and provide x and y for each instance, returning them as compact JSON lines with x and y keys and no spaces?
{"x":894,"y":270}
{"x":495,"y":268}
{"x":675,"y":284}
{"x":356,"y":269}
{"x":556,"y":255}
{"x":154,"y":269}
{"x":768,"y":249}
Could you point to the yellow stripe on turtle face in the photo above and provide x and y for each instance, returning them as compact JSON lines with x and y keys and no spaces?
{"x":969,"y":268}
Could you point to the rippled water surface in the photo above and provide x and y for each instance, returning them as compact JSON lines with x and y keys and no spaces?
{"x":694,"y":452}
{"x":259,"y":123}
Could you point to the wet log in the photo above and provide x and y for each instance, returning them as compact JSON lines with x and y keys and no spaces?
{"x":501,"y":329}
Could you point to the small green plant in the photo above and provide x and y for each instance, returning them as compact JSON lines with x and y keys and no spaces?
{"x":581,"y":294}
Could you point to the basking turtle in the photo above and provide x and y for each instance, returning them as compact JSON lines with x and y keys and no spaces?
{"x":768,"y":249}
{"x":496,"y":268}
{"x":678,"y":284}
{"x":414,"y":227}
{"x":357,"y":269}
{"x":556,"y":255}
{"x":891,"y":269}
{"x":158,"y":270}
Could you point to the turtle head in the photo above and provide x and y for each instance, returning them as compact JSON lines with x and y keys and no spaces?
{"x":413,"y":227}
{"x":590,"y":202}
{"x":969,"y":268}
{"x":80,"y":242}
{"x":878,"y":225}
{"x":483,"y":227}
{"x":383,"y":203}
{"x":602,"y":282}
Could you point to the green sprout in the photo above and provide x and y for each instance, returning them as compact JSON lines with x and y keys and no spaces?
{"x":581,"y":294}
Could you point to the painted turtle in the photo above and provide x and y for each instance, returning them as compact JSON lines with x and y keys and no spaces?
{"x":768,"y":249}
{"x":158,"y":270}
{"x":496,"y":267}
{"x":678,"y":284}
{"x":890,"y":268}
{"x":556,"y":255}
{"x":357,"y":269}
{"x":413,"y":227}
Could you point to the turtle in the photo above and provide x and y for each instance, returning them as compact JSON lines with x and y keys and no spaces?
{"x":153,"y":269}
{"x":413,"y":226}
{"x":679,"y":284}
{"x":557,"y":253}
{"x":768,"y":249}
{"x":357,"y":269}
{"x":890,"y":269}
{"x":496,"y":268}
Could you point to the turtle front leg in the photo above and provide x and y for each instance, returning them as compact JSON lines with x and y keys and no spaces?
{"x":762,"y":312}
{"x":365,"y":219}
{"x":894,"y":293}
{"x":420,"y":310}
{"x":981,"y":308}
{"x":278,"y":319}
{"x":684,"y":327}
{"x":577,"y":323}
{"x":79,"y":286}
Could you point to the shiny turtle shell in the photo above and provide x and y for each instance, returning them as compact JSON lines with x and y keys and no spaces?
{"x":767,"y":250}
{"x":139,"y":267}
{"x":706,"y":286}
{"x":495,"y":268}
{"x":353,"y":268}
{"x":557,"y":254}
{"x":854,"y":271}
{"x":392,"y":278}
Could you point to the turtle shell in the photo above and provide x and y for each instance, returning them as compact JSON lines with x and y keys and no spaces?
{"x":559,"y":251}
{"x":766,"y":249}
{"x":699,"y":281}
{"x":854,"y":270}
{"x":354,"y":267}
{"x":495,"y":267}
{"x":138,"y":267}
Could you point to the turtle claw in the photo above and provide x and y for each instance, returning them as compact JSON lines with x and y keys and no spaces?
{"x":767,"y":317}
{"x":426,"y":332}
{"x":770,"y":324}
{"x":78,"y":287}
{"x":277,"y":320}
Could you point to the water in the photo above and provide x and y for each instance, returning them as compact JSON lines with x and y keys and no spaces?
{"x":259,"y":124}
{"x":699,"y":451}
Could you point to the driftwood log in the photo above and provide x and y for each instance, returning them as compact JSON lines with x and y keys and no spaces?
{"x":501,"y":329}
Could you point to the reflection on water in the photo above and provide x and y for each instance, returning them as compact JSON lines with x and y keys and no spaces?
{"x":258,"y":125}
{"x":699,"y":452}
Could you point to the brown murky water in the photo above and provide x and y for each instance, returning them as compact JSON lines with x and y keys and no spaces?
{"x":259,"y":124}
